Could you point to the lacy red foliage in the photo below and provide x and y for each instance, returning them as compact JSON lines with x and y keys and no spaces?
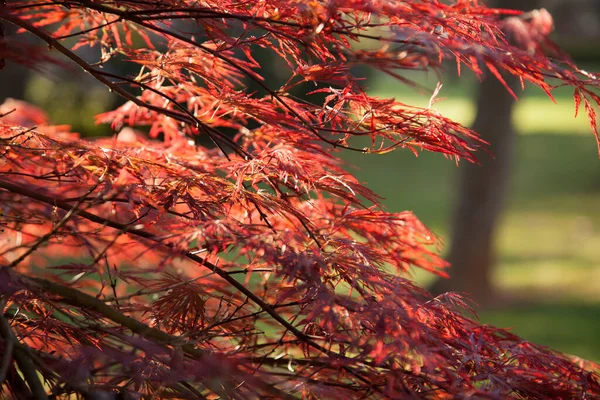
{"x":259,"y":268}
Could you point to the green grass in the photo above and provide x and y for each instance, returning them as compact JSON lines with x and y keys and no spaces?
{"x":571,"y":327}
{"x":549,"y":239}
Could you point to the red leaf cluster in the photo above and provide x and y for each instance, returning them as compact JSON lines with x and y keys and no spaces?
{"x":260,"y":268}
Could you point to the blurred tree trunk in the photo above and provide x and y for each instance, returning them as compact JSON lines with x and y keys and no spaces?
{"x":14,"y":79}
{"x":12,"y":76}
{"x":482,"y":190}
{"x":481,"y":194}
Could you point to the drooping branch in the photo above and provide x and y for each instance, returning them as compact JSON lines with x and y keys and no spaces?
{"x":139,"y":327}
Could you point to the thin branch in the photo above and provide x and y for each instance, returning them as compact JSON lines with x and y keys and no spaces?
{"x":70,"y":213}
{"x":125,"y":15}
{"x":54,"y":43}
{"x":88,"y":30}
{"x":23,"y":359}
{"x":199,"y":260}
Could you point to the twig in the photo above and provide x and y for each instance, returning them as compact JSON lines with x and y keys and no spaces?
{"x":70,"y":213}
{"x":79,"y":299}
{"x":23,"y":360}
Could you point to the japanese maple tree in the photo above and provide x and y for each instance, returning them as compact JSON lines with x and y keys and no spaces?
{"x":147,"y":265}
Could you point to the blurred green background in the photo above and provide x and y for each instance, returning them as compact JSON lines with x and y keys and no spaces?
{"x":549,"y":239}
